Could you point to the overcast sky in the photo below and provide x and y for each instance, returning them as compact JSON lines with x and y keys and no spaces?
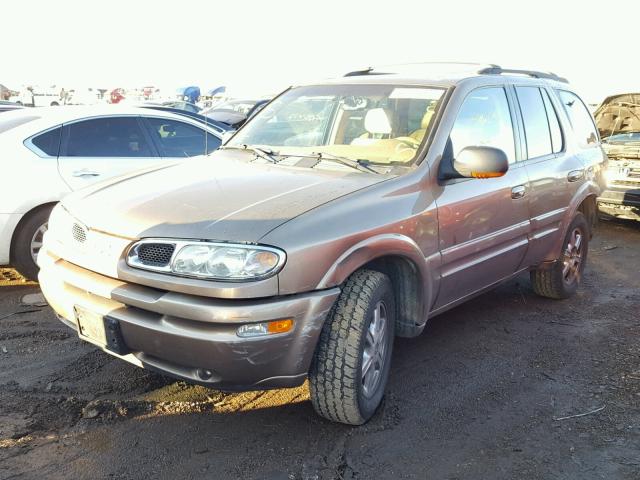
{"x":257,"y":47}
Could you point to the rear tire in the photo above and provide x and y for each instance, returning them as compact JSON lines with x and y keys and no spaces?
{"x":26,"y":242}
{"x":351,"y":364}
{"x":562,"y":279}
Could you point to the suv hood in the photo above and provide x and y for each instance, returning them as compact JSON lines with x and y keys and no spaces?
{"x":216,"y":198}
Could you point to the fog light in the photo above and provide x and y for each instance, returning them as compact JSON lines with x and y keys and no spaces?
{"x":265,"y":328}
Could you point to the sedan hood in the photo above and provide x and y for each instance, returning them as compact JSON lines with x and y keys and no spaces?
{"x":221,"y":197}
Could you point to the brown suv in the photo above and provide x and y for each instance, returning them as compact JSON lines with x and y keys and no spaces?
{"x":343,"y":214}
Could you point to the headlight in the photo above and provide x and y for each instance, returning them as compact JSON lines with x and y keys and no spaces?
{"x":208,"y":260}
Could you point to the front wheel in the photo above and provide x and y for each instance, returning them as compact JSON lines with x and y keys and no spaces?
{"x":563,"y":278}
{"x":28,"y":241}
{"x":351,"y":365}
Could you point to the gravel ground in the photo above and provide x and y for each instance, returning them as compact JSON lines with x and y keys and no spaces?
{"x":507,"y":386}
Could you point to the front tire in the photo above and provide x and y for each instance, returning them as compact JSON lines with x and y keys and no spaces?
{"x":351,"y":364}
{"x":563,"y":278}
{"x":27,"y":242}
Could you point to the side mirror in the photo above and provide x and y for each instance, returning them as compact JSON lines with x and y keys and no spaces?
{"x":478,"y":162}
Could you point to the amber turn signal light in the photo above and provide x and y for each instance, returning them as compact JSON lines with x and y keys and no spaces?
{"x":265,"y":328}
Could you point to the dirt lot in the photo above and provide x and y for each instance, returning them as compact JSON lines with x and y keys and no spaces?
{"x":491,"y":390}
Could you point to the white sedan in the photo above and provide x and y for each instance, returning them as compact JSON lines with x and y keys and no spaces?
{"x":49,"y":152}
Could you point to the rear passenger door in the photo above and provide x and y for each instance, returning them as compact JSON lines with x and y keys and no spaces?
{"x":103,"y":147}
{"x":175,"y":139}
{"x":554,"y":173}
{"x":484,"y":223}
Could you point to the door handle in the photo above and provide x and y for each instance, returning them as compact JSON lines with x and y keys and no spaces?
{"x":575,"y":175}
{"x":518,"y":192}
{"x":85,"y":173}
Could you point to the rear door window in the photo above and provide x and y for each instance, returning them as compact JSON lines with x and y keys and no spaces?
{"x":554,"y":124}
{"x":180,"y":139}
{"x":580,"y":119}
{"x":48,"y":142}
{"x":536,"y":123}
{"x":106,"y":137}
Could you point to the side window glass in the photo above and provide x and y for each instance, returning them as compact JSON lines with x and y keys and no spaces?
{"x":580,"y":119}
{"x":48,"y":142}
{"x":484,"y":120}
{"x":554,"y":123}
{"x":107,"y":137}
{"x":536,"y":124}
{"x":179,"y":139}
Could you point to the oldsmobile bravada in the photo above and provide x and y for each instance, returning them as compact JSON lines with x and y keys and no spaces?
{"x":343,"y":214}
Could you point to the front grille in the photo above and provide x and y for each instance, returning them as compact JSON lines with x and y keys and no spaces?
{"x":627,"y":183}
{"x":79,"y":233}
{"x":155,"y":254}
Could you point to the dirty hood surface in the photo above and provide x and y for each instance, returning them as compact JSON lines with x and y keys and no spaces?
{"x":618,"y":114}
{"x":221,"y":197}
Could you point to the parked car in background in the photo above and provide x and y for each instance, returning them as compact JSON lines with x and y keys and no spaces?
{"x":9,"y":106}
{"x":618,"y":121}
{"x":116,"y":95}
{"x":219,"y":126}
{"x":182,"y":105}
{"x":235,"y":112}
{"x":188,"y":94}
{"x":35,"y":96}
{"x":342,"y":214}
{"x":48,"y":153}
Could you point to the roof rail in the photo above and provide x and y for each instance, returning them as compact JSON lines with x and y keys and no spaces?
{"x":391,"y":69}
{"x":497,"y":70}
{"x":364,"y":71}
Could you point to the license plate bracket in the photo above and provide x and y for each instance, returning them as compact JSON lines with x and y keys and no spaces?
{"x":101,"y":330}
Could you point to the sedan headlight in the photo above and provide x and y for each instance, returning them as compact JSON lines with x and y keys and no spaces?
{"x":208,"y":260}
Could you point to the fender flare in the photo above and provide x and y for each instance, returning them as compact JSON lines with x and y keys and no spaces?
{"x":379,"y":246}
{"x":585,"y":191}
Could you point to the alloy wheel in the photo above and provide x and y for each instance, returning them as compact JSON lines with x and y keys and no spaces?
{"x":36,"y":241}
{"x":375,"y":350}
{"x":572,"y":258}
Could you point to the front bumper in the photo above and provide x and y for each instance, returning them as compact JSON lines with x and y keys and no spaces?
{"x":185,"y":335}
{"x":620,"y":202}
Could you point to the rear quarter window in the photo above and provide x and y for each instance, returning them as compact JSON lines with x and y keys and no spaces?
{"x":580,"y":118}
{"x":48,"y":142}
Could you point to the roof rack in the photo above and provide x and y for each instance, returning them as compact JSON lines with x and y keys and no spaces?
{"x":497,"y":70}
{"x":391,"y":69}
{"x":364,"y":71}
{"x":480,"y":69}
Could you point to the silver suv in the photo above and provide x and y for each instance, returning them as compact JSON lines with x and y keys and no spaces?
{"x":343,"y":214}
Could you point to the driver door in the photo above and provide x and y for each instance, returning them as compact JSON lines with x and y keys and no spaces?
{"x":484,"y":223}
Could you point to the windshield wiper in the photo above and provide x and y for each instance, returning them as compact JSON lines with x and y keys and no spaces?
{"x":263,"y":153}
{"x":359,"y":164}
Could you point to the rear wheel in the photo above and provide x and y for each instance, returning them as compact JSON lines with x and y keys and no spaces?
{"x":564,"y":276}
{"x":27,"y":242}
{"x":351,"y":365}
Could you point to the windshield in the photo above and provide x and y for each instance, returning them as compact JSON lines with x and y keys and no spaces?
{"x":378,"y":124}
{"x":628,"y":137}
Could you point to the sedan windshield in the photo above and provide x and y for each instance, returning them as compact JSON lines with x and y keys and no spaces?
{"x":373,"y":124}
